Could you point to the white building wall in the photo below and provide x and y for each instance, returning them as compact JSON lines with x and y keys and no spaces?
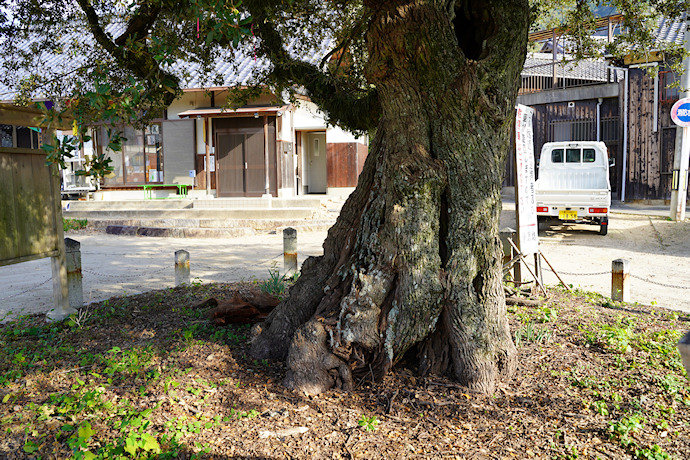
{"x":309,"y":117}
{"x":189,"y":100}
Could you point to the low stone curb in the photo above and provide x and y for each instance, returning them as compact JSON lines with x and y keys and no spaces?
{"x":127,"y":230}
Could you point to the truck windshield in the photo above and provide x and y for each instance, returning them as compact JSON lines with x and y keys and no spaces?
{"x":572,"y":155}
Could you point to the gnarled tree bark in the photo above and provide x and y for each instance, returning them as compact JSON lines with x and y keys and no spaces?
{"x":413,"y":262}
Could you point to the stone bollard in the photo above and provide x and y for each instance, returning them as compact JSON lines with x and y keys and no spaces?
{"x":684,"y":348}
{"x":290,"y":251}
{"x":74,"y":276}
{"x":620,"y":274}
{"x":181,"y":267}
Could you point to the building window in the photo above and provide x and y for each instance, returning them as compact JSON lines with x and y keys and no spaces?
{"x":668,"y":82}
{"x":6,"y":136}
{"x":141,"y":159}
{"x":19,"y":137}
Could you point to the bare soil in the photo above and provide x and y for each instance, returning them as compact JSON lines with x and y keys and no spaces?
{"x":595,"y":380}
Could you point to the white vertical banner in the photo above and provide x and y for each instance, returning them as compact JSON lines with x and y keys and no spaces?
{"x":526,"y":204}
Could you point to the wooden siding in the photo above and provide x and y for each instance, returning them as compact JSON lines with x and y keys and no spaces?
{"x":286,"y":166}
{"x":201,"y":172}
{"x":644,"y":174}
{"x":345,"y":161}
{"x":30,"y":203}
{"x":667,"y":148}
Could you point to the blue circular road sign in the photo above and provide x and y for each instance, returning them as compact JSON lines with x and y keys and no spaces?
{"x":680,"y":112}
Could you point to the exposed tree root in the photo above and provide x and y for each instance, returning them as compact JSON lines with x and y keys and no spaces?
{"x":524,"y":302}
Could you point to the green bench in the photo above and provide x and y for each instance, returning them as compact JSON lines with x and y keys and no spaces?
{"x":181,"y":191}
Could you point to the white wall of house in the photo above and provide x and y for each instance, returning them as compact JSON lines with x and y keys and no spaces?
{"x":309,"y":117}
{"x":188,"y":100}
{"x":192,"y":100}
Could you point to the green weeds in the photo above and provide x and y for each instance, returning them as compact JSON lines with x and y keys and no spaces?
{"x":529,"y":333}
{"x":368,"y":423}
{"x":276,"y":284}
{"x":74,"y":224}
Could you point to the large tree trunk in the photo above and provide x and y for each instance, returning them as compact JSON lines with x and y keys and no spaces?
{"x":413,"y":263}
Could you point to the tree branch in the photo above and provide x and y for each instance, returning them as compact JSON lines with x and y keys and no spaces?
{"x":140,"y":63}
{"x":139,"y":24}
{"x":355,"y":110}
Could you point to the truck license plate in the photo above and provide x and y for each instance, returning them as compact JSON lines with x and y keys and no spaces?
{"x":567,"y":215}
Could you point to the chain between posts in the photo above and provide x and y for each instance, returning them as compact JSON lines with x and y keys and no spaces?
{"x":124,"y":277}
{"x":27,"y":291}
{"x":659,"y":283}
{"x":646,"y":280}
{"x":244,"y":267}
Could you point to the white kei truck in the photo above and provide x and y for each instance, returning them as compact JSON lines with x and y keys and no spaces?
{"x":573,"y":184}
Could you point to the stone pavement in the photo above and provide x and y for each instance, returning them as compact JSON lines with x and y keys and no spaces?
{"x":116,"y":265}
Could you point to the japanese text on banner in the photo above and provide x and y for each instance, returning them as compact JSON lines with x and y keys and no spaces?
{"x":528,"y":229}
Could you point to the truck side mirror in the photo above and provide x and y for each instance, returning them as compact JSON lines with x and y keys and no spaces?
{"x":612,"y":162}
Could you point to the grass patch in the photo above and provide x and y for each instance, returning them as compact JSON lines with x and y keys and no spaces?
{"x":74,"y":224}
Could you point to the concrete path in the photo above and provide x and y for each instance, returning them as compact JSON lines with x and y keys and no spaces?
{"x":115,"y":265}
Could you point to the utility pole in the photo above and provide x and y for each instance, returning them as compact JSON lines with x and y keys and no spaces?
{"x":679,"y":183}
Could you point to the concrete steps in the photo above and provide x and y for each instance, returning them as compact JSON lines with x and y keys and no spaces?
{"x":219,"y":218}
{"x":198,"y":214}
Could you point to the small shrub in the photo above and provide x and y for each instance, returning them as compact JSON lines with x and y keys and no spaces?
{"x":368,"y":423}
{"x":74,"y":224}
{"x":275,"y":284}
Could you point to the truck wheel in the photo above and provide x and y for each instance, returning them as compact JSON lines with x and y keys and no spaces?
{"x":604,"y":226}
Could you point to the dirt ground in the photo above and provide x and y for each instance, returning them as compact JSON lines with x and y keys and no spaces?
{"x":148,"y":376}
{"x":658,"y":251}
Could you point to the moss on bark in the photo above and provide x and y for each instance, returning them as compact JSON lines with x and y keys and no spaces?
{"x":413,"y":261}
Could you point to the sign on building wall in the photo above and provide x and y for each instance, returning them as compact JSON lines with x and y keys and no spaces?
{"x":526,"y":203}
{"x":680,"y":112}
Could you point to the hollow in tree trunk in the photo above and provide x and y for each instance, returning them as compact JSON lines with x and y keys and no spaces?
{"x":413,"y":263}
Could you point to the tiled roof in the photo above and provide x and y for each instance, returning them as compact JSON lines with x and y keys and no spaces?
{"x":232,"y":68}
{"x":540,"y":64}
{"x":671,"y":30}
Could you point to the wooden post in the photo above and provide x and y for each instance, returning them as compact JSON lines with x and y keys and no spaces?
{"x":508,"y":251}
{"x":290,"y":251}
{"x":74,"y":276}
{"x":58,"y":262}
{"x":537,"y":267}
{"x":554,"y":60}
{"x":182,"y":272}
{"x":267,"y":184}
{"x":208,"y":158}
{"x":620,"y":273}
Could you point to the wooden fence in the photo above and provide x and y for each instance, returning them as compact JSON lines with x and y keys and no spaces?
{"x":30,"y":208}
